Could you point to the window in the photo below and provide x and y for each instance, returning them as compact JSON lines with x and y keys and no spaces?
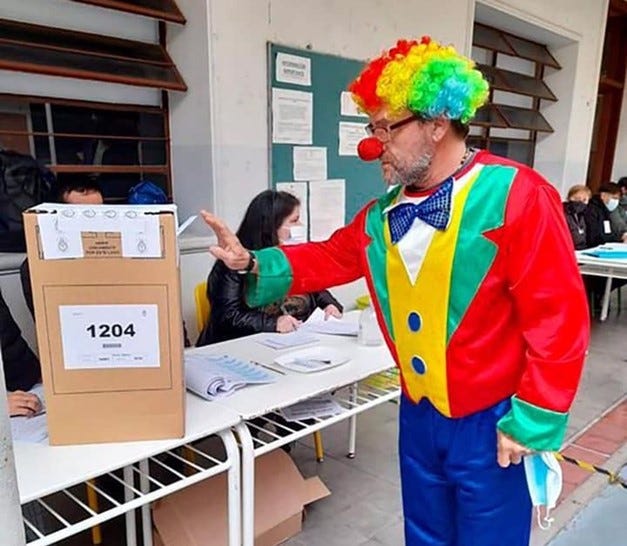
{"x":58,"y":52}
{"x":117,"y":145}
{"x":165,"y":10}
{"x":511,"y":121}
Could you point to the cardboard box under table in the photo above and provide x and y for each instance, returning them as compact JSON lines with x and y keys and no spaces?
{"x":106,"y":290}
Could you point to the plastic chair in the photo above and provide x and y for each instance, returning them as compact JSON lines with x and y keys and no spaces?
{"x":203,"y":310}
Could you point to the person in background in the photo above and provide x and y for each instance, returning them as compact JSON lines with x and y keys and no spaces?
{"x":622,"y":184}
{"x":20,"y":366}
{"x":574,"y":208}
{"x":73,"y":191}
{"x":272,"y":218}
{"x":599,"y":229}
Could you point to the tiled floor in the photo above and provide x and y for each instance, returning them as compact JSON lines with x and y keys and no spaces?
{"x":365,"y":509}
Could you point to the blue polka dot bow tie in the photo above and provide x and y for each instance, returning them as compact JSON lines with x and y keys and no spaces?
{"x":434,"y":210}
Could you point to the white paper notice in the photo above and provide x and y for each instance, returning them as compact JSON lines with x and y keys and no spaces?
{"x":310,"y":163}
{"x":298,"y":190}
{"x":326,"y":208}
{"x":109,"y":336}
{"x":351,"y":134}
{"x":293,"y":69}
{"x":348,"y":106}
{"x":57,"y":243}
{"x":292,"y":116}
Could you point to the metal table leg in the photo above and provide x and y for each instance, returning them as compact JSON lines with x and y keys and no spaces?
{"x":606,"y":299}
{"x":144,"y":485}
{"x":352,"y":423}
{"x":131,"y":530}
{"x":248,"y":484}
{"x":234,"y":488}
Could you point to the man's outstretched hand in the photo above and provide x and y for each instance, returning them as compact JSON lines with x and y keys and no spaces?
{"x":228,"y":249}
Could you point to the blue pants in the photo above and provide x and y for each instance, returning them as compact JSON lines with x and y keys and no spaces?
{"x":454,"y":492}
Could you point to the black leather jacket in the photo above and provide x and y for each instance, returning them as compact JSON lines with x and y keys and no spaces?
{"x":21,"y":366}
{"x":231,"y":318}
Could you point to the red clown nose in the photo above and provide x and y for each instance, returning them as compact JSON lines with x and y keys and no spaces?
{"x":370,"y":148}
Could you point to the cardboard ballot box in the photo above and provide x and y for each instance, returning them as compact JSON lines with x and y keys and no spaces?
{"x":197,"y":515}
{"x":106,"y":291}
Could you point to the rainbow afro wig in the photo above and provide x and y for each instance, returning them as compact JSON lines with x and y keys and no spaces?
{"x":425,"y":77}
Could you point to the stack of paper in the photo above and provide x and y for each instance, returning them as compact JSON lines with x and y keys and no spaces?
{"x":319,"y":406}
{"x":331,"y":325}
{"x":285,"y":341}
{"x":609,"y":251}
{"x":31,"y":429}
{"x":217,"y":376}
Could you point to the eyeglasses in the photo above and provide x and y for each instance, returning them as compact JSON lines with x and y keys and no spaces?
{"x":384,"y":132}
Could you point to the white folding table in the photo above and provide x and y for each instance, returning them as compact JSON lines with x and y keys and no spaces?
{"x":260,"y":402}
{"x":55,"y":477}
{"x":602,"y":267}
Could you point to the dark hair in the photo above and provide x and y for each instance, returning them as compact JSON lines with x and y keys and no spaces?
{"x":81,"y":184}
{"x":264,"y":217}
{"x":609,"y":187}
{"x":459,"y":128}
{"x":622,"y":182}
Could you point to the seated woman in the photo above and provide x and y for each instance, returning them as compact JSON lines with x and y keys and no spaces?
{"x":272,"y":218}
{"x":574,"y":209}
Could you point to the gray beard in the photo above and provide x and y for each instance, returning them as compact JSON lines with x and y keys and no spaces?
{"x":415,"y":173}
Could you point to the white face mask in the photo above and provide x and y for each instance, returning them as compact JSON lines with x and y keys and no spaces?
{"x":544,"y":480}
{"x":612,"y":204}
{"x":297,"y":235}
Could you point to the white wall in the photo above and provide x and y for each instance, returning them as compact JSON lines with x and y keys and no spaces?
{"x":574,"y":31}
{"x":620,"y":155}
{"x":240,"y":30}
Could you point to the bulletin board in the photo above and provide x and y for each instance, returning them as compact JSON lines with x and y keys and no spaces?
{"x":329,"y":76}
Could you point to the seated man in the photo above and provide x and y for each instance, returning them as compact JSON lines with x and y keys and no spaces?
{"x":79,"y":191}
{"x":20,"y":366}
{"x":598,"y":220}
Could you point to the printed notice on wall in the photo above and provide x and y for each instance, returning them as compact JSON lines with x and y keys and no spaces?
{"x":292,"y":116}
{"x":310,"y":162}
{"x":298,"y":190}
{"x":326,"y":208}
{"x":350,"y":134}
{"x":109,"y":336}
{"x":293,"y":69}
{"x":348,"y":106}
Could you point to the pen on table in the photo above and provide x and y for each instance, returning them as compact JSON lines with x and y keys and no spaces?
{"x":268,"y":367}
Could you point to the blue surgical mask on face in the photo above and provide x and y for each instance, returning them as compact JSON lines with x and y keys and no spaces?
{"x":544,"y":480}
{"x":612,"y":204}
{"x":298,"y":235}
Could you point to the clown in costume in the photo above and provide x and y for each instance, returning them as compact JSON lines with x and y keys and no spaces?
{"x":471,"y":270}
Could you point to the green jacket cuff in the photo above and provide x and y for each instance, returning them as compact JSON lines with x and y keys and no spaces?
{"x":534,"y":427}
{"x":273,"y":279}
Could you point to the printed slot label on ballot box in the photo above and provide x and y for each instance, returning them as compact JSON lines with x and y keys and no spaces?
{"x":109,"y":336}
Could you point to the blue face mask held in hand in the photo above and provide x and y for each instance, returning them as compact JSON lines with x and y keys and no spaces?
{"x":544,"y":480}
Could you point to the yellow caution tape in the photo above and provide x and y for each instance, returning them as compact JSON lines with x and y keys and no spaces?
{"x":614,"y":478}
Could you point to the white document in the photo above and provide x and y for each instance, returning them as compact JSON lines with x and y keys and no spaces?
{"x":217,"y":376}
{"x":285,"y":341}
{"x":62,"y":227}
{"x":310,"y":162}
{"x":298,"y":190}
{"x":293,"y":69}
{"x":350,"y":134}
{"x":327,"y":203}
{"x":292,"y":116}
{"x":31,"y":429}
{"x":333,"y":326}
{"x":319,"y":406}
{"x":109,"y":336}
{"x":348,"y":106}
